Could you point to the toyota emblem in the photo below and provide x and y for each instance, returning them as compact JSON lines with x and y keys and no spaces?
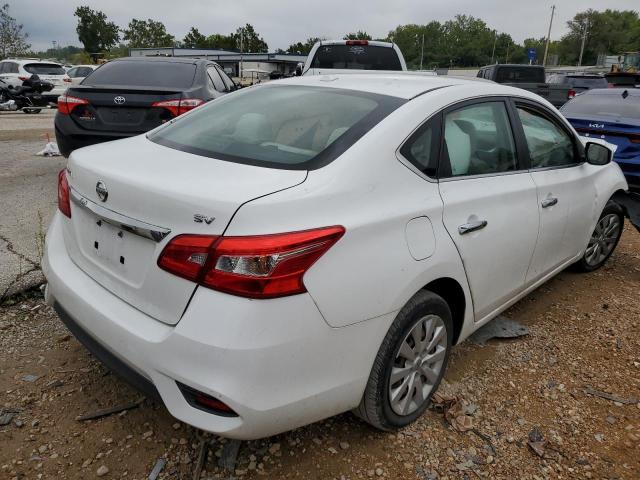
{"x":119,"y":100}
{"x":101,"y":191}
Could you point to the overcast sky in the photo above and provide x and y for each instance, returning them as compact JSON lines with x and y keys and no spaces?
{"x":282,"y":22}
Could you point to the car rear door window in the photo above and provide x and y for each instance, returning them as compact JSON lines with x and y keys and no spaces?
{"x":218,"y":84}
{"x":478,"y":141}
{"x":143,"y":73}
{"x":72,"y":73}
{"x":549,"y":145}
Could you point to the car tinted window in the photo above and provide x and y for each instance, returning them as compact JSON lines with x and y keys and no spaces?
{"x":422,"y":148}
{"x":549,"y":145}
{"x":218,"y":84}
{"x":359,"y":57}
{"x":225,"y":78}
{"x":144,"y":74}
{"x":478,"y":140}
{"x":72,"y":72}
{"x":285,"y":126}
{"x":3,"y":67}
{"x":610,"y":105}
{"x":44,"y":69}
{"x":520,"y":75}
{"x":83,"y":71}
{"x":587,"y":82}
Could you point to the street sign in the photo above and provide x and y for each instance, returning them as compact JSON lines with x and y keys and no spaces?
{"x":532,"y":54}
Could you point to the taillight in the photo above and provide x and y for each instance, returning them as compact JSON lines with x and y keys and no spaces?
{"x":22,"y":79}
{"x":262,"y":266}
{"x":66,"y":80}
{"x":571,"y":93}
{"x":63,"y":193}
{"x":357,"y":42}
{"x":66,"y":103}
{"x":178,"y":107}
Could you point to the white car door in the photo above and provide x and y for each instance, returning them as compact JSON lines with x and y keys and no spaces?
{"x":565,"y":189}
{"x":490,"y":201}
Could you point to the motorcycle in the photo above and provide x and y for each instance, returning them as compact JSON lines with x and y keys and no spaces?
{"x":27,"y":97}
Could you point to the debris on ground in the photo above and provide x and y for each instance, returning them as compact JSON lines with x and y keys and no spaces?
{"x":457,"y":411}
{"x":537,"y":442}
{"x":105,"y":412}
{"x":157,"y":468}
{"x":499,"y":327}
{"x":229,"y":455}
{"x":608,"y":396}
{"x":6,"y":415}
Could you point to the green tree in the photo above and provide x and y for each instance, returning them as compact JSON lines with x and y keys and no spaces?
{"x":147,"y":34}
{"x":221,"y":42}
{"x":251,"y":41}
{"x":359,"y":35}
{"x":303,"y":48}
{"x":94,"y":31}
{"x":194,"y":39}
{"x":13,"y":40}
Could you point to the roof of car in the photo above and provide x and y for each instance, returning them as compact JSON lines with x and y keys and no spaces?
{"x":405,"y":85}
{"x":634,"y":92}
{"x":163,"y":59}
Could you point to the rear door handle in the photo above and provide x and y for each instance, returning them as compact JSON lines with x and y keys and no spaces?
{"x":472,"y":227}
{"x":549,"y":202}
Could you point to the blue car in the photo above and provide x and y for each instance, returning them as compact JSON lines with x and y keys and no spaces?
{"x":612,"y":114}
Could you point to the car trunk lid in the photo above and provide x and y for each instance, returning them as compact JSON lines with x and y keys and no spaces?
{"x":149,"y":200}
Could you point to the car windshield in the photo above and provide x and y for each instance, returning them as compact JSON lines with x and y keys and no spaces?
{"x":609,"y":104}
{"x":587,"y":82}
{"x":284,"y":126}
{"x":359,"y":57}
{"x":143,"y":74}
{"x":44,"y":69}
{"x":520,"y":75}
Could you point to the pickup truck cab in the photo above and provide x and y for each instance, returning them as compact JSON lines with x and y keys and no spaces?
{"x":353,"y":56}
{"x":527,"y":77}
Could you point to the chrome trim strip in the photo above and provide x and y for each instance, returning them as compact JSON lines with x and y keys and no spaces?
{"x":129,"y":224}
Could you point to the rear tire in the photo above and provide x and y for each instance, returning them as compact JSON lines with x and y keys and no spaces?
{"x":415,"y":351}
{"x":604,"y":239}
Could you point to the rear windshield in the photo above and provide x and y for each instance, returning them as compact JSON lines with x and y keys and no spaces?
{"x":143,"y":74}
{"x":520,"y":75}
{"x":611,"y":105}
{"x":358,"y":57}
{"x":286,"y":126}
{"x":44,"y":69}
{"x":587,"y":82}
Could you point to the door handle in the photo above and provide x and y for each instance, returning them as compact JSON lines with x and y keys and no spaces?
{"x":472,"y":227}
{"x":549,"y":202}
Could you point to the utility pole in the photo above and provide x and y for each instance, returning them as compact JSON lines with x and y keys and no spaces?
{"x":546,"y":47}
{"x":422,"y":52}
{"x":584,"y":38}
{"x":241,"y":39}
{"x":495,"y":39}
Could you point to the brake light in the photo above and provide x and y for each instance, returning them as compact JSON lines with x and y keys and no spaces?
{"x":179,"y":106}
{"x":22,"y":79}
{"x":66,"y":103}
{"x":262,"y":266}
{"x":571,"y":93}
{"x":63,"y":193}
{"x":357,"y":42}
{"x":66,"y":80}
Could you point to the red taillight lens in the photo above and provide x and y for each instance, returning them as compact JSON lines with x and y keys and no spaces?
{"x":22,"y":79}
{"x":264,"y":266}
{"x":63,"y":193}
{"x":571,"y":93}
{"x":357,"y":42}
{"x":66,"y":80}
{"x":66,"y":103}
{"x":178,"y":107}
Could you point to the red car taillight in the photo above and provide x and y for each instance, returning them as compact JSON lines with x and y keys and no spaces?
{"x":66,"y":103}
{"x":571,"y":93}
{"x":261,"y":266}
{"x":66,"y":80}
{"x":63,"y":193}
{"x":177,"y":107}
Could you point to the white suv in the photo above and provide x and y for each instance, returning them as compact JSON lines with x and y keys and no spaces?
{"x":259,"y":267}
{"x":15,"y":71}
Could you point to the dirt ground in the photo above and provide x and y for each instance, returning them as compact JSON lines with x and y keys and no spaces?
{"x":519,"y":396}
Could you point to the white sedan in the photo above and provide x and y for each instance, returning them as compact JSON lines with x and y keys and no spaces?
{"x":315,"y":245}
{"x":78,"y":73}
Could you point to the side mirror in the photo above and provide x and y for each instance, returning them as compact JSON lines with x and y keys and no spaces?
{"x":299,"y":69}
{"x":597,"y":154}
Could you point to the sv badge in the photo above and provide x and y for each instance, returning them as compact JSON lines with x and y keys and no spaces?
{"x":199,"y":218}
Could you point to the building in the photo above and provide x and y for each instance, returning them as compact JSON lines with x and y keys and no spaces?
{"x":252,"y":63}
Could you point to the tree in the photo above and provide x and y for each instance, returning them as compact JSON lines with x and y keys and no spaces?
{"x":147,"y":34}
{"x":194,"y":39}
{"x":13,"y":41}
{"x":359,"y":35}
{"x":251,"y":40}
{"x":303,"y":48}
{"x":94,"y":31}
{"x":221,"y":42}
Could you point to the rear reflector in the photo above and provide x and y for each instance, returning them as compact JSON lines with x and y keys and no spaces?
{"x":179,"y":106}
{"x":261,"y":266}
{"x":357,"y":42}
{"x":64,"y":204}
{"x":66,"y":103}
{"x":205,"y":402}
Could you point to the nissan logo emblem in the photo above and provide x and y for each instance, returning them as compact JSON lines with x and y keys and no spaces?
{"x":101,"y":191}
{"x":119,"y":100}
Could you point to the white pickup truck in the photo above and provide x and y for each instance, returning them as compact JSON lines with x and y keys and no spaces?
{"x":353,"y":56}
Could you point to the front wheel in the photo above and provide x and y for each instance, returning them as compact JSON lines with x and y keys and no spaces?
{"x":604,"y":239}
{"x":410,"y":363}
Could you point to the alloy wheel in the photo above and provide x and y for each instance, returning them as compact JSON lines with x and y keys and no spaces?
{"x":603,"y":239}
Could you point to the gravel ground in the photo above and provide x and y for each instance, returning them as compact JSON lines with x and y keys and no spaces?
{"x":524,"y":404}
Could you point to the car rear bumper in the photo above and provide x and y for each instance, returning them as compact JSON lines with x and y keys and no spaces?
{"x":71,"y":137}
{"x":275,"y":362}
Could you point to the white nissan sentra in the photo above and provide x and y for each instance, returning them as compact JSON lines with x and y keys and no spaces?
{"x":311,"y":246}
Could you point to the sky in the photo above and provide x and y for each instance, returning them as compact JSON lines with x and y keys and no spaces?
{"x":283,"y":22}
